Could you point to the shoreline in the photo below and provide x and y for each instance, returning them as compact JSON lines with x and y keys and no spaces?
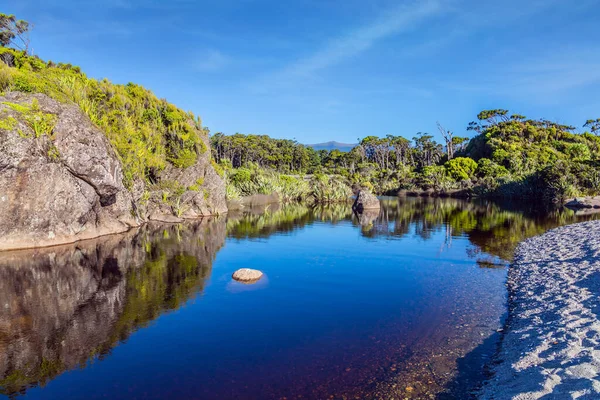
{"x":550,"y":346}
{"x":69,"y":240}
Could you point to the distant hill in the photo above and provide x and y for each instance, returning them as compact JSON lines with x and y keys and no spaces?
{"x":345,"y":147}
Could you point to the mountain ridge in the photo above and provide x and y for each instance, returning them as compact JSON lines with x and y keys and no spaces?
{"x":332,"y":145}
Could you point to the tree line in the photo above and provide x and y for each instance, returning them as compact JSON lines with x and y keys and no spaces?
{"x":509,"y":155}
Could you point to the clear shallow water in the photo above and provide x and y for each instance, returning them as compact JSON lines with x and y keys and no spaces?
{"x":404,"y":303}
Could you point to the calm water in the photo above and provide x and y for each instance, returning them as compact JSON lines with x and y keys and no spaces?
{"x":403,"y":303}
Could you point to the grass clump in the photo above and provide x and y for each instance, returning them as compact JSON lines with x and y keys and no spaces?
{"x":148,"y":133}
{"x":41,"y":123}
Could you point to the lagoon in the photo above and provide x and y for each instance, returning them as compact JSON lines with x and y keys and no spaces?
{"x":403,"y":303}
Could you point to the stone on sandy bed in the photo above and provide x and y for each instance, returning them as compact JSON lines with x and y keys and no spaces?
{"x":247,"y":275}
{"x":551,"y":345}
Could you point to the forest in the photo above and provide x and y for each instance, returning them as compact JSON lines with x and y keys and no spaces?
{"x":508,"y":156}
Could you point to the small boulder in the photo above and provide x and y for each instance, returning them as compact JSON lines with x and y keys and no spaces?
{"x":247,"y":275}
{"x":584,"y":202}
{"x":365,"y":200}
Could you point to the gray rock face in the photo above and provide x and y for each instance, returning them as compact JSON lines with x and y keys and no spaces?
{"x":365,"y":200}
{"x":247,"y":275}
{"x":58,"y":189}
{"x":209,"y":199}
{"x":68,"y":185}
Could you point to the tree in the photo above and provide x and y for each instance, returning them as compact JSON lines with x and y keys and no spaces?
{"x":14,"y":32}
{"x":427,"y":151}
{"x":594,"y":125}
{"x":447,"y":135}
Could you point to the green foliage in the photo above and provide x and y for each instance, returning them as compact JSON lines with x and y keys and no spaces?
{"x":556,"y":182}
{"x":53,"y":153}
{"x":171,"y":193}
{"x":7,"y":123}
{"x":14,"y":32}
{"x":533,"y":157}
{"x":147,"y":133}
{"x":435,"y":177}
{"x":41,"y":123}
{"x":328,"y":189}
{"x":196,"y":186}
{"x":256,"y":180}
{"x":461,"y":168}
{"x":284,"y":156}
{"x":486,"y":168}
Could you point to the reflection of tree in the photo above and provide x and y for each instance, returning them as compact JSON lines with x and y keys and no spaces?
{"x":71,"y":304}
{"x":492,"y":228}
{"x":286,"y":218}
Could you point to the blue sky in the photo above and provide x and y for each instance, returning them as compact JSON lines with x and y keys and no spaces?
{"x":319,"y":70}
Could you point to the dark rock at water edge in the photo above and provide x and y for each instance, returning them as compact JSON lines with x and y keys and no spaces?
{"x":584,"y":202}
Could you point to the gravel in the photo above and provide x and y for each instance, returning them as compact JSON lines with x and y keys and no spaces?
{"x":551,"y":344}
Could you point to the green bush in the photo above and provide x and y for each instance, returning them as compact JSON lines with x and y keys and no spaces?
{"x":461,"y":168}
{"x":486,"y":168}
{"x":328,"y":189}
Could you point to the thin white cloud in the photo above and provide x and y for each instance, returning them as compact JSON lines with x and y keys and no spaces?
{"x":361,"y":39}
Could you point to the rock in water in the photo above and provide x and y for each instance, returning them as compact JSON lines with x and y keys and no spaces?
{"x":247,"y":275}
{"x":584,"y":202}
{"x":365,"y":200}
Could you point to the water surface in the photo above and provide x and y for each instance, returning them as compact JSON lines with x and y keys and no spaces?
{"x":401,"y":303}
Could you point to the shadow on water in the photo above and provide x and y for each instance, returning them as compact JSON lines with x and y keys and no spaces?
{"x":471,"y":371}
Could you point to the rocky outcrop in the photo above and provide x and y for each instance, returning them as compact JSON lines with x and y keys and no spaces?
{"x":63,"y":306}
{"x":206,"y":190}
{"x":61,"y":180}
{"x":365,"y":200}
{"x":57,"y":185}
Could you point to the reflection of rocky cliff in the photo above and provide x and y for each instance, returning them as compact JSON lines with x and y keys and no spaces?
{"x":62,"y":306}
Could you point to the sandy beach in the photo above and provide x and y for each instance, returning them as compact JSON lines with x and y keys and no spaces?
{"x":551,"y":343}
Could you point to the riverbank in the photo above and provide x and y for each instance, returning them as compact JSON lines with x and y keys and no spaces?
{"x":551,"y":342}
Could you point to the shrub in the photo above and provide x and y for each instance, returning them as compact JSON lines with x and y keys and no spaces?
{"x":486,"y":168}
{"x":461,"y":168}
{"x":556,"y":182}
{"x":327,"y":189}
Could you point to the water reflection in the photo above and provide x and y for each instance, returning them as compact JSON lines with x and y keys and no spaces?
{"x":493,"y":228}
{"x":63,"y":307}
